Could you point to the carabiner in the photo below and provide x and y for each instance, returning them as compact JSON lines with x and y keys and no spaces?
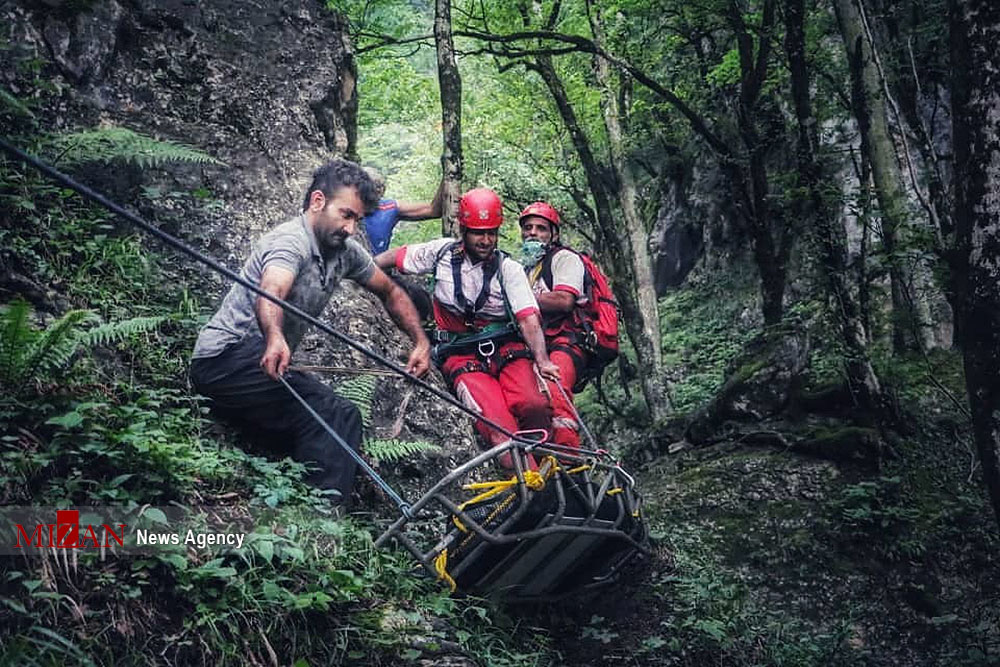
{"x":485,"y":345}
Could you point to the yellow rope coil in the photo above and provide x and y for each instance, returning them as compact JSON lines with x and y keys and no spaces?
{"x":533,"y":479}
{"x":441,"y":565}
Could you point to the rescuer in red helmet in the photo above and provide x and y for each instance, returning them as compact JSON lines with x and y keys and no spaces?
{"x":489,"y":339}
{"x":557,"y":279}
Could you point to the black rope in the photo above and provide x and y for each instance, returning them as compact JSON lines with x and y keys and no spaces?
{"x":403,"y":506}
{"x":177,"y":244}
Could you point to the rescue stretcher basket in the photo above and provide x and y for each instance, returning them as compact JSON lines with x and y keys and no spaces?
{"x":526,"y":521}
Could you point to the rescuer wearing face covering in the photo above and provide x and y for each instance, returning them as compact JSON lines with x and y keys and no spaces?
{"x":556,"y":275}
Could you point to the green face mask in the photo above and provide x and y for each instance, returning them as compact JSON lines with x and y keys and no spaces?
{"x":532,"y":252}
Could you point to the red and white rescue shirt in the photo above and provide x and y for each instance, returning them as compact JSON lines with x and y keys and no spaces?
{"x":422,"y":257}
{"x":567,"y":275}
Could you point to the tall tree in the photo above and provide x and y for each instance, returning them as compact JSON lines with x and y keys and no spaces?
{"x":451,"y":116}
{"x":614,"y":121}
{"x":868,"y":100}
{"x":827,"y":230}
{"x":975,"y":32}
{"x":772,"y":239}
{"x":613,"y":245}
{"x":744,"y":158}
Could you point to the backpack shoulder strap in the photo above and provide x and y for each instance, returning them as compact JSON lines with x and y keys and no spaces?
{"x":547,"y":266}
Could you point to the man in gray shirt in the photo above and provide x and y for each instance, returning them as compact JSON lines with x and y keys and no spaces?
{"x":248,"y":343}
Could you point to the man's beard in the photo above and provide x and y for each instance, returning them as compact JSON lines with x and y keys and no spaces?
{"x":336,"y":240}
{"x":480,"y":255}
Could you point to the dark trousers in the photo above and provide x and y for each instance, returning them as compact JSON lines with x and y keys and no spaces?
{"x":243,"y":394}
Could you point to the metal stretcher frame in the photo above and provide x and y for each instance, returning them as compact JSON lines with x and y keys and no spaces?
{"x":533,"y":561}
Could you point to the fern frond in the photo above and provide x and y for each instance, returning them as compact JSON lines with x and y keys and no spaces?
{"x":55,"y":347}
{"x":360,"y":390}
{"x":107,"y":144}
{"x":393,"y":450}
{"x":114,"y":332}
{"x":26,"y":352}
{"x":16,"y":335}
{"x":10,"y":101}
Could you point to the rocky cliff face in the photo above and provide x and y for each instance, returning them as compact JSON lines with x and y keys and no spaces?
{"x":265,"y":86}
{"x":696,"y":221}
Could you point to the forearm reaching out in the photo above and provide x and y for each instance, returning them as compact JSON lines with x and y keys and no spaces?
{"x":531,"y":330}
{"x":422,"y":210}
{"x":271,"y":318}
{"x":386,"y":260}
{"x":404,"y":314}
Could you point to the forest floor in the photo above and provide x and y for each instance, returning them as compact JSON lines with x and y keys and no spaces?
{"x":763,"y":557}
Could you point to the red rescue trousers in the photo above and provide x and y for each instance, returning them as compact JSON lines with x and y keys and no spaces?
{"x":506,"y":393}
{"x":569,"y":358}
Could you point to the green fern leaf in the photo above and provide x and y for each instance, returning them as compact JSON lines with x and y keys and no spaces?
{"x":55,"y":347}
{"x":394,"y":450}
{"x":114,"y":332}
{"x":360,"y":390}
{"x":27,"y":353}
{"x":108,"y":144}
{"x":16,"y":338}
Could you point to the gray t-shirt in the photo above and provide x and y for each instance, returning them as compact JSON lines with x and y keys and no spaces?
{"x":291,"y":246}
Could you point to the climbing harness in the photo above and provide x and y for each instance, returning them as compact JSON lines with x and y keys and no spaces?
{"x":547,"y":530}
{"x":484,"y":341}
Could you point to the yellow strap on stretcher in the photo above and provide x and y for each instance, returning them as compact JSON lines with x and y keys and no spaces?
{"x":533,"y":479}
{"x":441,"y":565}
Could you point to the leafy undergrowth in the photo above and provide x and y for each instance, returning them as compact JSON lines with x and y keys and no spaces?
{"x":703,"y":326}
{"x":313,"y":590}
{"x":766,"y":557}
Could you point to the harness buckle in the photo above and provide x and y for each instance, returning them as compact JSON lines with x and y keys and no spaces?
{"x":487,"y":348}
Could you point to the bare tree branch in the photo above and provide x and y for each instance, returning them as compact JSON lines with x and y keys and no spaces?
{"x":586,"y":45}
{"x":389,"y":40}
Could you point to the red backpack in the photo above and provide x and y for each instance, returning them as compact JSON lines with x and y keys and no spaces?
{"x":598,"y":317}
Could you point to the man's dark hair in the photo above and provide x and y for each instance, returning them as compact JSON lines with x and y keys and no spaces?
{"x":338,"y":174}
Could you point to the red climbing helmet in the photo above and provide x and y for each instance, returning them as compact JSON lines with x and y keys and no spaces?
{"x":542,"y":210}
{"x":480,"y":208}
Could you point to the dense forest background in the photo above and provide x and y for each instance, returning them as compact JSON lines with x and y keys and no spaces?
{"x":794,"y":202}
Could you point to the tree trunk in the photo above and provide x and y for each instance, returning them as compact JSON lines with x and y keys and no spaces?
{"x":975,"y":32}
{"x":637,"y":242}
{"x":864,"y":204}
{"x":910,"y":100}
{"x":877,"y":146}
{"x":828,"y":231}
{"x":451,"y":117}
{"x":611,"y":249}
{"x":771,"y":239}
